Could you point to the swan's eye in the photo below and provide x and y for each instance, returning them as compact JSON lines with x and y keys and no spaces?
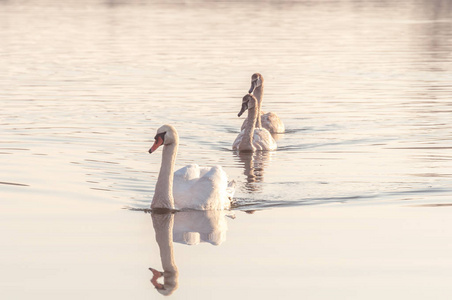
{"x":160,"y":135}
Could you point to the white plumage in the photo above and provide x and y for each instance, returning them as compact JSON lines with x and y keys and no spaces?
{"x":253,"y":138}
{"x":191,"y":187}
{"x":202,"y":188}
{"x":262,"y":140}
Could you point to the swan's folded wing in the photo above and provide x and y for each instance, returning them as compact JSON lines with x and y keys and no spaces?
{"x":187,"y":173}
{"x":263,"y":140}
{"x":184,"y":178}
{"x":201,"y":188}
{"x":273,"y":123}
{"x":210,"y":190}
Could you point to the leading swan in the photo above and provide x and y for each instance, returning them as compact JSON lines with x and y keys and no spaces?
{"x":269,"y":121}
{"x":191,"y":187}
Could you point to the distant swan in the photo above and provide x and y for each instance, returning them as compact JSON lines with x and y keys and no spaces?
{"x":192,"y":187}
{"x":251,"y":138}
{"x":269,"y":121}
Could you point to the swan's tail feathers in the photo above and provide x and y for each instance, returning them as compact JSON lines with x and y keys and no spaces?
{"x":230,"y":190}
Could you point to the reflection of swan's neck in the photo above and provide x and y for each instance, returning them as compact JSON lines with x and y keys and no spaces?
{"x":248,"y":160}
{"x":254,"y":165}
{"x":163,"y":226}
{"x":163,"y":196}
{"x":258,"y":92}
{"x":247,"y":140}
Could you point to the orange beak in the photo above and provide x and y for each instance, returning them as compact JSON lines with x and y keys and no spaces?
{"x":158,"y":142}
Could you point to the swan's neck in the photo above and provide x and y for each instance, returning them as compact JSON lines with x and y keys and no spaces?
{"x":247,"y":140}
{"x":163,"y":226}
{"x":163,"y":196}
{"x":258,"y":93}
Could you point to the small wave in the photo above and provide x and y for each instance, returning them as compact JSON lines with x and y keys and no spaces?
{"x":15,"y":149}
{"x":419,"y":191}
{"x":434,"y":205}
{"x":13,"y":183}
{"x":296,"y":130}
{"x":149,"y":211}
{"x":332,"y":144}
{"x":247,"y":204}
{"x":252,"y":204}
{"x":260,"y":204}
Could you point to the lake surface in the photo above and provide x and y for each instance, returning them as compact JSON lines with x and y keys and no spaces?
{"x":354,"y":204}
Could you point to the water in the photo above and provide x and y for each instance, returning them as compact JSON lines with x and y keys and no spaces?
{"x":363,"y":88}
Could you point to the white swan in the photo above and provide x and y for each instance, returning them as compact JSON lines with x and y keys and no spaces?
{"x":191,"y":187}
{"x":269,"y":121}
{"x":251,"y":138}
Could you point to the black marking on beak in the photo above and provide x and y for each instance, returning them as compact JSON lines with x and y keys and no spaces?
{"x":244,"y":108}
{"x":162,"y":135}
{"x":159,"y":140}
{"x":253,"y":86}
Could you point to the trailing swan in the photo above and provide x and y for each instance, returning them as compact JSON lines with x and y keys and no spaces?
{"x":252,"y":138}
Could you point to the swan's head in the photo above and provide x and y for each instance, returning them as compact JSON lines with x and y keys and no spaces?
{"x":249,"y":101}
{"x":166,"y":135}
{"x":256,"y":81}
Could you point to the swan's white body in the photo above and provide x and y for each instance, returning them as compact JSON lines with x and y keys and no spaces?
{"x":191,"y":187}
{"x":272,"y":123}
{"x":202,"y":188}
{"x":262,"y":140}
{"x":270,"y":120}
{"x":252,"y":138}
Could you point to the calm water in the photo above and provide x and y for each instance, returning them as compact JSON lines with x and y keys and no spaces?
{"x":363,"y":87}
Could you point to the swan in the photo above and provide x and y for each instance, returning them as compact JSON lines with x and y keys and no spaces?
{"x":251,"y":138}
{"x":269,"y":121}
{"x":191,"y":187}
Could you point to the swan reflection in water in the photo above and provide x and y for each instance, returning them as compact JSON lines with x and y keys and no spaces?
{"x":185,"y":227}
{"x":254,"y":164}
